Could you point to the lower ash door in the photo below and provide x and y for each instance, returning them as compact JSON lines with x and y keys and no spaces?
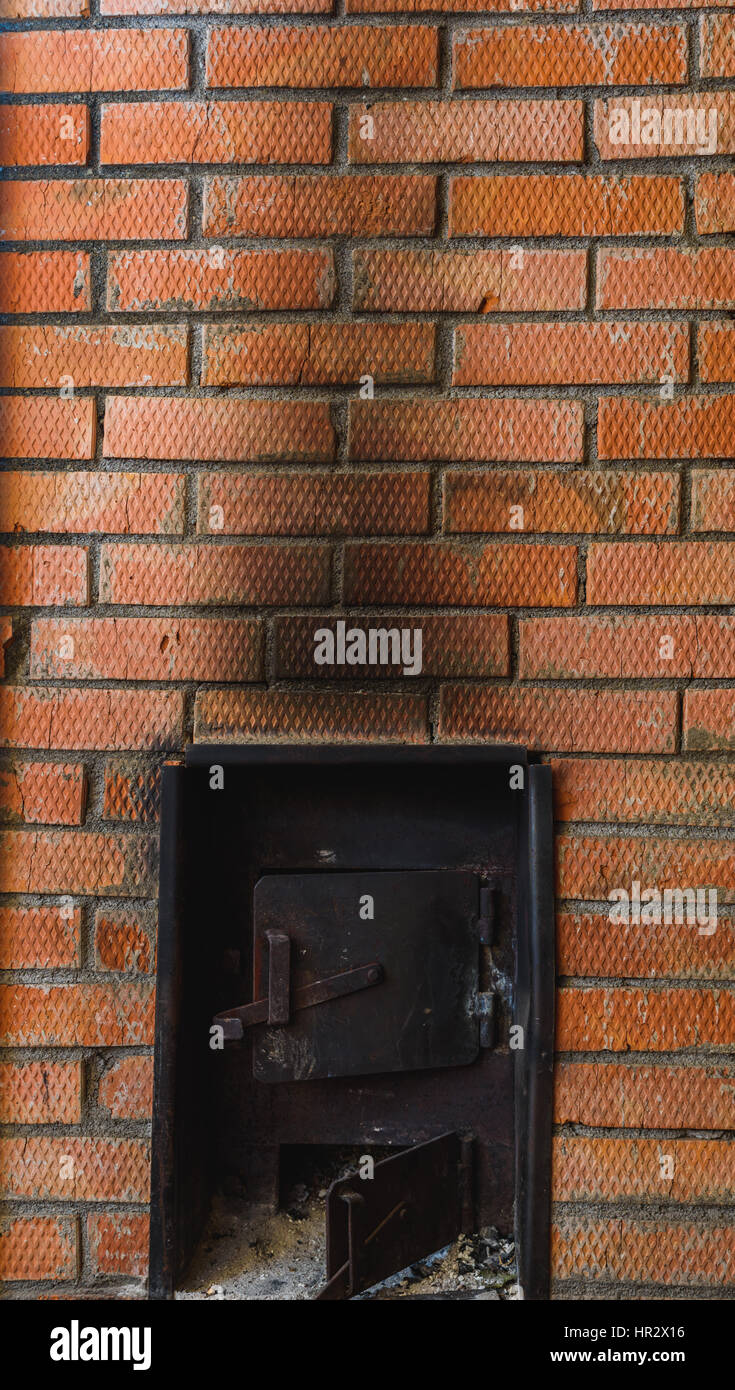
{"x":362,"y":973}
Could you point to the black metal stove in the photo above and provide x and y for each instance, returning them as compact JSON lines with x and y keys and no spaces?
{"x":356,"y":948}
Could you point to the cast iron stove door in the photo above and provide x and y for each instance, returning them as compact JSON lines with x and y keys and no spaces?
{"x":407,"y":947}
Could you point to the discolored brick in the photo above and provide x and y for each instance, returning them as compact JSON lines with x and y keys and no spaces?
{"x":38,"y":135}
{"x":231,"y":716}
{"x":589,"y":944}
{"x":216,"y":132}
{"x":74,"y":861}
{"x":110,"y":502}
{"x":671,"y":572}
{"x":570,"y":55}
{"x":40,"y":1093}
{"x":241,"y":430}
{"x":521,"y":354}
{"x":709,"y":719}
{"x":338,"y":56}
{"x":591,"y":866}
{"x":465,"y":430}
{"x":294,"y":354}
{"x":622,"y":647}
{"x":605,"y":1169}
{"x":525,"y":205}
{"x":433,"y":572}
{"x":132,"y":793}
{"x":629,"y":1019}
{"x":136,"y":355}
{"x":118,"y":1013}
{"x":233,"y":574}
{"x":118,"y":1242}
{"x":628,"y":1096}
{"x":607,"y":721}
{"x":319,"y":205}
{"x":43,"y":793}
{"x":44,"y":574}
{"x":649,"y":793}
{"x":44,"y":938}
{"x":126,"y":1088}
{"x":95,"y":60}
{"x":48,"y":427}
{"x":467,"y":645}
{"x":44,"y":282}
{"x":124,"y":938}
{"x":43,"y":717}
{"x":717,"y":40}
{"x":473,"y":282}
{"x":301,"y":504}
{"x":532,"y":500}
{"x":38,"y":1247}
{"x":714,"y":203}
{"x":74,"y":1169}
{"x":220,"y":279}
{"x":147,"y":649}
{"x":93,"y":209}
{"x":437,"y":132}
{"x":669,"y":278}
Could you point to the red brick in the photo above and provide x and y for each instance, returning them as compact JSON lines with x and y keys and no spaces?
{"x":606,"y":721}
{"x":671,"y":572}
{"x":699,"y":278}
{"x":39,"y":938}
{"x":561,"y":502}
{"x":147,"y":649}
{"x":455,"y":6}
{"x":433,"y":132}
{"x":36,"y":135}
{"x":570,"y":55}
{"x":433,"y":572}
{"x":44,"y":574}
{"x":40,"y":1093}
{"x":133,"y":355}
{"x":614,"y":1096}
{"x":122,"y":938}
{"x":240,"y":716}
{"x":628,"y":1019}
{"x":93,"y":210}
{"x":74,"y":861}
{"x":118,"y":1243}
{"x":692,"y":428}
{"x":591,"y":945}
{"x":233,"y":574}
{"x":302,"y":504}
{"x":177,"y":427}
{"x":624,"y":648}
{"x":338,"y":56}
{"x":566,"y":205}
{"x":43,"y":793}
{"x":295,"y":354}
{"x":471,"y":645}
{"x":41,"y":717}
{"x":220,"y":279}
{"x":717,"y":40}
{"x":643,"y":1252}
{"x":44,"y":282}
{"x":74,"y":1169}
{"x":126,"y":1089}
{"x":48,"y":427}
{"x":604,"y":1169}
{"x":685,"y":126}
{"x":132,"y":793}
{"x":38,"y":1247}
{"x":146,"y":7}
{"x":43,"y":9}
{"x":319,"y":205}
{"x":83,"y":502}
{"x":713,"y":500}
{"x":88,"y":60}
{"x":714,"y":203}
{"x":717,"y":352}
{"x":652,"y":793}
{"x":473,"y":282}
{"x":217,"y":132}
{"x":709,"y":719}
{"x":591,"y":866}
{"x":464,"y":430}
{"x":522,"y":354}
{"x":118,"y":1013}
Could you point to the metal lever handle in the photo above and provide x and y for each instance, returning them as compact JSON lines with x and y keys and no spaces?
{"x":234,"y":1021}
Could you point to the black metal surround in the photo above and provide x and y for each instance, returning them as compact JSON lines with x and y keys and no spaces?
{"x":297,"y":810}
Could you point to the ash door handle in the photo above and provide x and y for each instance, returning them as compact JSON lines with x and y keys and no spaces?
{"x":279,"y":977}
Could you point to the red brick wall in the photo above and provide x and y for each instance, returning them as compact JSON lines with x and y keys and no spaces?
{"x":213,"y":226}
